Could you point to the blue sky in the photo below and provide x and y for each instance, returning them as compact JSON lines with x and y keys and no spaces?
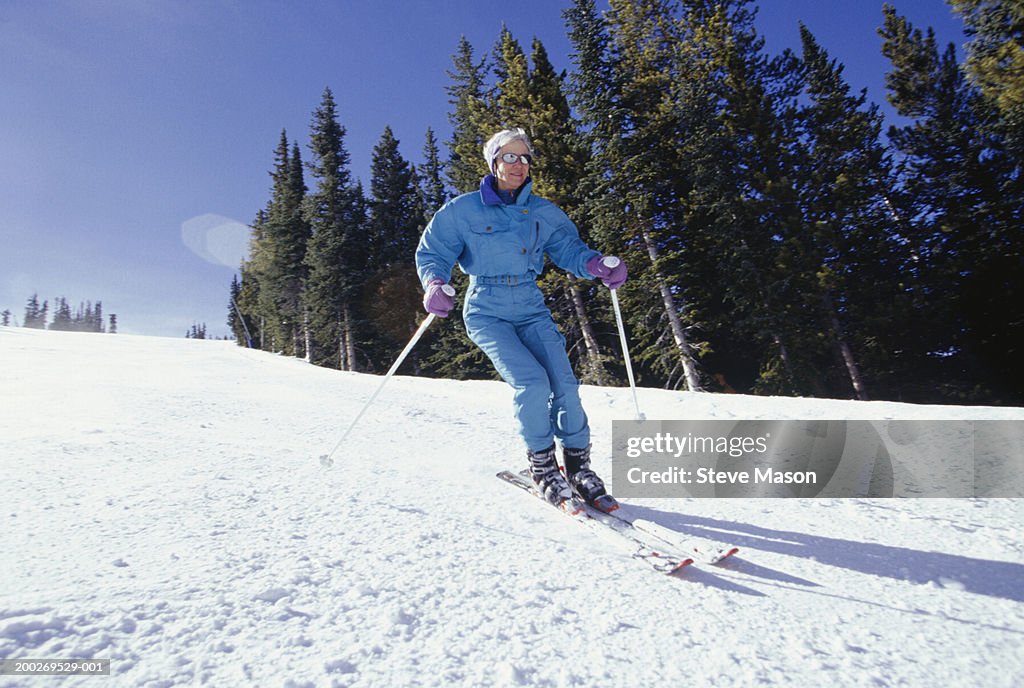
{"x":136,"y":136}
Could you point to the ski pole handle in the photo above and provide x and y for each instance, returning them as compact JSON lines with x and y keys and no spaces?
{"x":448,"y":289}
{"x":610,"y":262}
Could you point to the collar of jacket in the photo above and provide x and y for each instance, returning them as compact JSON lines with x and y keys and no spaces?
{"x":489,"y":191}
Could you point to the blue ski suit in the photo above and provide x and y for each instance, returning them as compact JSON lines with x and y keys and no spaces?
{"x":501,"y":246}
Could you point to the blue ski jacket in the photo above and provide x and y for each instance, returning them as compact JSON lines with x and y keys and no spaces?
{"x":489,"y":238}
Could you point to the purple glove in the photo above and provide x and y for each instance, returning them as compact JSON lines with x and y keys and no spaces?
{"x":609,"y":269}
{"x":438,"y":299}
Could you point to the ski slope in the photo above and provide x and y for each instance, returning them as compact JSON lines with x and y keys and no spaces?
{"x":163,"y":506}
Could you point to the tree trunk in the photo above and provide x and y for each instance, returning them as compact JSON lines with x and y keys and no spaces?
{"x":350,"y":340}
{"x":675,"y":323}
{"x":342,"y":348}
{"x":307,"y":333}
{"x":784,"y":357}
{"x":852,"y":369}
{"x":593,"y":356}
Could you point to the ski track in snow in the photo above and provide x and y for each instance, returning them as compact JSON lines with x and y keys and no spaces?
{"x":163,"y":507}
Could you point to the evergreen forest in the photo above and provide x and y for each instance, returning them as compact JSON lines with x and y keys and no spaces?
{"x":782,"y":237}
{"x":87,"y":317}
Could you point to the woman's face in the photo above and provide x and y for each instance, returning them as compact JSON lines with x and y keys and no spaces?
{"x":511,"y":176}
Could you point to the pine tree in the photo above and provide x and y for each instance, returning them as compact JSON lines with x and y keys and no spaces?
{"x":518,"y":100}
{"x":247,"y":299}
{"x":466,"y":96}
{"x":395,"y":215}
{"x":995,"y":61}
{"x":392,"y":291}
{"x":83,"y":317}
{"x":844,"y":175}
{"x":338,"y":250}
{"x":292,"y":270}
{"x":594,"y":87}
{"x":535,"y":100}
{"x":241,"y":326}
{"x":36,"y":315}
{"x":508,"y":104}
{"x":96,"y":323}
{"x":595,"y":91}
{"x":278,"y":255}
{"x":633,"y":132}
{"x":557,"y":176}
{"x":432,"y":188}
{"x":750,"y":268}
{"x":257,"y":294}
{"x":62,"y":319}
{"x":961,"y":222}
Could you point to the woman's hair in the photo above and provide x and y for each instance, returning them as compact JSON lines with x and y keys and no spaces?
{"x":502,"y":139}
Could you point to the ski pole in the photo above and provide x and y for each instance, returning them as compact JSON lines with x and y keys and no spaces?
{"x":612,"y":261}
{"x":327,"y":460}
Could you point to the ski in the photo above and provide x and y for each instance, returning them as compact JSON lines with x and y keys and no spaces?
{"x":702,"y":550}
{"x":603,"y":522}
{"x":699,"y":550}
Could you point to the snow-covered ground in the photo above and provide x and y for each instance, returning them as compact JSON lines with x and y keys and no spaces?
{"x":163,"y":506}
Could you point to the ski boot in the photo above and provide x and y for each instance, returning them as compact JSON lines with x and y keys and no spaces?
{"x":547,"y":477}
{"x":585,"y":482}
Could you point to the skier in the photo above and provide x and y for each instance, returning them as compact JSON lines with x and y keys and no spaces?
{"x":499,"y":237}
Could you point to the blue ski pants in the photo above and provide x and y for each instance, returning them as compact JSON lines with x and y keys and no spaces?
{"x":508,"y":319}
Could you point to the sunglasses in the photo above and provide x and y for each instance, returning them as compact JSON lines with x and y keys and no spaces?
{"x":512,"y":158}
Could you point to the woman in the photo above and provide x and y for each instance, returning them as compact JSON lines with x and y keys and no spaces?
{"x":499,"y":237}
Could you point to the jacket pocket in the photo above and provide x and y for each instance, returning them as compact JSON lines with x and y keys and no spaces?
{"x":486,"y":230}
{"x":487,"y":244}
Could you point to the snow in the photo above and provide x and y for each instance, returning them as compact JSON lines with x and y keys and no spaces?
{"x":163,"y":506}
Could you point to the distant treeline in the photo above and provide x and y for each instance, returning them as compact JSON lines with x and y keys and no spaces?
{"x":87,"y":317}
{"x":780,"y":239}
